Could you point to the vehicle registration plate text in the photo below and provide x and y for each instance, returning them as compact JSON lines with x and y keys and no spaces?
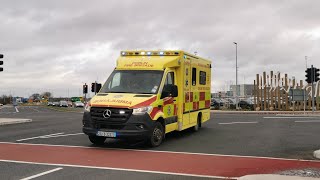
{"x":106,"y":134}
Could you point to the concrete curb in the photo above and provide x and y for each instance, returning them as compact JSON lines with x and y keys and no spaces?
{"x":316,"y":154}
{"x":7,"y":121}
{"x":274,"y":177}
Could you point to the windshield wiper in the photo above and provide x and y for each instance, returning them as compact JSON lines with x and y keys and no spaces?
{"x":117,"y":92}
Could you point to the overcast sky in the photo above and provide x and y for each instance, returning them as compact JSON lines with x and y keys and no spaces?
{"x":59,"y":45}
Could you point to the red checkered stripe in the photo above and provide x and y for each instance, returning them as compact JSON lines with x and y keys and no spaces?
{"x":196,"y":100}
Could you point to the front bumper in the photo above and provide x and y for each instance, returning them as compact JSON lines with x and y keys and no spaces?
{"x":137,"y":127}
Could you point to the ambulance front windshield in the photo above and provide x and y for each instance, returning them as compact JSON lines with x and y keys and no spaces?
{"x":133,"y":81}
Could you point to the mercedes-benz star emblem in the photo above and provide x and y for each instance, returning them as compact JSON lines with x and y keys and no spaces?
{"x":106,"y":113}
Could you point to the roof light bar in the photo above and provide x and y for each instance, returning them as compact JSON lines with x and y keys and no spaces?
{"x":149,"y":53}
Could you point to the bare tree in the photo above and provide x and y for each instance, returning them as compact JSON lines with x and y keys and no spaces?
{"x":35,"y":97}
{"x":46,"y":95}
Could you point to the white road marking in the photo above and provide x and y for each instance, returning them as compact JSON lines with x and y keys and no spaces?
{"x":63,"y":135}
{"x":50,"y":136}
{"x":311,"y":121}
{"x":41,"y":174}
{"x":172,"y":152}
{"x":239,"y":123}
{"x":35,"y":109}
{"x":290,"y":117}
{"x":28,"y":108}
{"x":118,"y":169}
{"x":16,"y":109}
{"x":36,"y":137}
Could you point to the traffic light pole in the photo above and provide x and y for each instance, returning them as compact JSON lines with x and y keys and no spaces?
{"x":312,"y":88}
{"x":85,"y":95}
{"x":95,"y":87}
{"x":304,"y":101}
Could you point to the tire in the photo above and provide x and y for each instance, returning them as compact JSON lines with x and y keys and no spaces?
{"x":97,"y":140}
{"x":157,"y":135}
{"x":198,"y":125}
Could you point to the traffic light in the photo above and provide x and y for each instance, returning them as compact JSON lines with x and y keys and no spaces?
{"x":316,"y":74}
{"x":98,"y":87}
{"x":1,"y":62}
{"x":85,"y":89}
{"x":92,"y":87}
{"x":309,"y":75}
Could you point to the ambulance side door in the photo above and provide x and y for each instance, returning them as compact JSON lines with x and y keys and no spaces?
{"x":187,"y":93}
{"x":169,"y":102}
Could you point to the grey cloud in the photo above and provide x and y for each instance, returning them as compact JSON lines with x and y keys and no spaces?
{"x":60,"y":44}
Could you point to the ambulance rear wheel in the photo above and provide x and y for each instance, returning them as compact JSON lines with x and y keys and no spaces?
{"x":198,"y":125}
{"x":97,"y":140}
{"x":157,"y":135}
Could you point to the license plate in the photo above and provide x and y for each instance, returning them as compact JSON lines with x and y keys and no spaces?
{"x":106,"y":134}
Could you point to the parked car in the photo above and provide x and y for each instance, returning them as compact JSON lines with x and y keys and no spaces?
{"x":216,"y":103}
{"x":55,"y":104}
{"x":63,"y":104}
{"x":246,"y":104}
{"x":78,"y":104}
{"x":69,"y":103}
{"x":50,"y":103}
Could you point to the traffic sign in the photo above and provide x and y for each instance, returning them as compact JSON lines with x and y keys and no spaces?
{"x":298,"y":95}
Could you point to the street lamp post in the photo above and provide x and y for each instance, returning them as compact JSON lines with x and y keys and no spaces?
{"x":236,"y":75}
{"x":306,"y":58}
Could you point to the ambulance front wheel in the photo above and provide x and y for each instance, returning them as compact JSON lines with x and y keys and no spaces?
{"x":157,"y":135}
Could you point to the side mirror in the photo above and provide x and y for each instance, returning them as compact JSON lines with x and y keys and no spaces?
{"x":174,"y":91}
{"x":169,"y":90}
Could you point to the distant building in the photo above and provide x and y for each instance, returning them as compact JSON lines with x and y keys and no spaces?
{"x":244,"y":90}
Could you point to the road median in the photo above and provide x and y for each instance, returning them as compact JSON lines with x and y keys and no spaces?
{"x":7,"y":121}
{"x":300,"y":113}
{"x":64,"y":109}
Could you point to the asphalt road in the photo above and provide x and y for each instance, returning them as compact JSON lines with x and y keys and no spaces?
{"x":225,"y":134}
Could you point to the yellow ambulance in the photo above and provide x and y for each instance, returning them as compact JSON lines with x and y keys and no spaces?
{"x":149,"y":94}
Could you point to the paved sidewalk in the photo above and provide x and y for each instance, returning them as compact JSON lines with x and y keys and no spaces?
{"x":6,"y":121}
{"x":274,"y":177}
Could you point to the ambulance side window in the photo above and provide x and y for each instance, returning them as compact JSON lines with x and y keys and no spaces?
{"x":169,"y":79}
{"x":202,"y":78}
{"x":167,"y":88}
{"x":194,"y":76}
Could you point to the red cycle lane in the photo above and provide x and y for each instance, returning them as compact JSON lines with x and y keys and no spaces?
{"x":166,"y":162}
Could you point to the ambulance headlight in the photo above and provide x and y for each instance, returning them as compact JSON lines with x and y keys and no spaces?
{"x":142,"y":110}
{"x":87,"y":108}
